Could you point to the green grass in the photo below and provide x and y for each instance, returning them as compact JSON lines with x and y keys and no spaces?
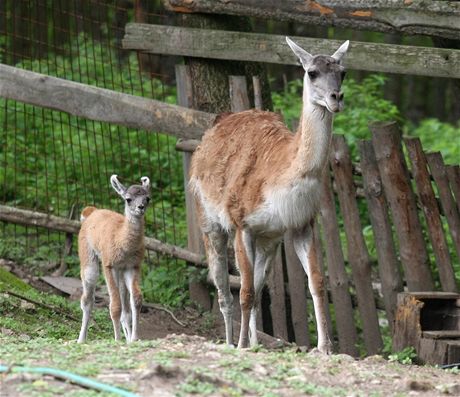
{"x":52,"y":316}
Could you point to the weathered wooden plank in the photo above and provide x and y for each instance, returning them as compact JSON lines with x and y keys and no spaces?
{"x":338,"y":278}
{"x":188,"y":145}
{"x":258,"y":103}
{"x":297,"y":292}
{"x":99,"y":104}
{"x":386,"y":140}
{"x":390,"y":275}
{"x":442,"y":334}
{"x":358,"y":256}
{"x":258,"y":47}
{"x":451,"y":212}
{"x":276,"y":289}
{"x":434,"y":18}
{"x":453,"y":173}
{"x":199,"y":292}
{"x":239,"y":97}
{"x":56,"y":223}
{"x":431,"y":210}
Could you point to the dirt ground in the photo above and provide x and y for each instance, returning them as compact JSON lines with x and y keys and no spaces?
{"x":191,"y":360}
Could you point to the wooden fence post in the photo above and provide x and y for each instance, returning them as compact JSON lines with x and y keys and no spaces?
{"x":453,"y":173}
{"x":358,"y":256}
{"x":390,"y":276}
{"x":199,"y":292}
{"x":451,"y":213}
{"x":431,"y":210}
{"x":297,"y":292}
{"x":239,"y":98}
{"x":338,"y":278}
{"x":386,"y":140}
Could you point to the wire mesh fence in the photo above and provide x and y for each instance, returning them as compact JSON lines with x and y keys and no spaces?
{"x":53,"y":162}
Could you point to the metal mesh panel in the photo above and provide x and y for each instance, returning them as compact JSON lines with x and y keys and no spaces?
{"x":52,"y":161}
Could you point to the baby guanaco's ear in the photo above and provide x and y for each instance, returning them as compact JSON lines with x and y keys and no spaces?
{"x":145,"y":182}
{"x":117,"y":185}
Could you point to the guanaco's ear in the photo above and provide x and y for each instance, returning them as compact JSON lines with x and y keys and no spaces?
{"x":145,"y":182}
{"x":342,"y":50}
{"x":303,"y":55}
{"x":117,"y":185}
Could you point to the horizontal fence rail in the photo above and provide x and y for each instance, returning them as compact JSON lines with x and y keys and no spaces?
{"x":100,"y":104}
{"x":433,"y":18}
{"x":57,"y":223}
{"x":258,"y":47}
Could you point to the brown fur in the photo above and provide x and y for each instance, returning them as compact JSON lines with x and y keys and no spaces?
{"x":119,"y":245}
{"x":114,"y":238}
{"x":228,"y":159}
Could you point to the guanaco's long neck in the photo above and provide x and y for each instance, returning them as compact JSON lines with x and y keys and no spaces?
{"x":313,"y":138}
{"x":133,"y":228}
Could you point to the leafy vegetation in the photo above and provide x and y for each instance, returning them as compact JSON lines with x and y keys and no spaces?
{"x":405,"y":356}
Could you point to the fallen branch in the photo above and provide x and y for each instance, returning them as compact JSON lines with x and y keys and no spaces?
{"x":265,"y":339}
{"x":44,"y":305}
{"x":158,"y":307}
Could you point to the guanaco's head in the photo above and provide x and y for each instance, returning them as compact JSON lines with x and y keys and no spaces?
{"x":323,"y":76}
{"x":136,"y":197}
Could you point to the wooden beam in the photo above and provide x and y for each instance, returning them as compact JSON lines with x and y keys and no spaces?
{"x":386,"y":140}
{"x":241,"y":46}
{"x":99,"y":104}
{"x":52,"y":222}
{"x":433,"y":18}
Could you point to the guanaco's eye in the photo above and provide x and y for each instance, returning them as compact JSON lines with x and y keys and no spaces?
{"x":343,"y":74}
{"x":312,"y":74}
{"x":148,"y":199}
{"x":128,"y":200}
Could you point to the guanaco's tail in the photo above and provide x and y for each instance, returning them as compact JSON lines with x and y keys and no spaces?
{"x":87,"y":211}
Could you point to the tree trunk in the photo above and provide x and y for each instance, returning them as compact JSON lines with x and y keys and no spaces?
{"x":210,"y":77}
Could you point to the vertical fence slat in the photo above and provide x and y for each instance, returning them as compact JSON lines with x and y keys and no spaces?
{"x":258,"y":103}
{"x":432,"y":215}
{"x":239,"y":98}
{"x":297,"y":293}
{"x":390,"y":276}
{"x":277,"y":297}
{"x":451,"y":212}
{"x":338,"y":278}
{"x":386,"y":140}
{"x":358,"y":256}
{"x":199,"y":292}
{"x":453,"y":173}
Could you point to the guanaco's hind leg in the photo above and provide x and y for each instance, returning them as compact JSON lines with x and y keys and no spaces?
{"x":126,"y":318}
{"x":265,"y":251}
{"x":131,"y":279}
{"x":305,"y":249}
{"x":244,"y":257}
{"x":89,"y":274}
{"x":215,"y":243}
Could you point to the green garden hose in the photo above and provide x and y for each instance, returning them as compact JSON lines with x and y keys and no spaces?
{"x":77,"y":379}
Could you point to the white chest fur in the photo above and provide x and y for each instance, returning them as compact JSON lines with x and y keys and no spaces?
{"x":288,"y":207}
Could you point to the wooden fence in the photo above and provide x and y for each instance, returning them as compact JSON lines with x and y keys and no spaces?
{"x":400,"y":199}
{"x":385,"y":183}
